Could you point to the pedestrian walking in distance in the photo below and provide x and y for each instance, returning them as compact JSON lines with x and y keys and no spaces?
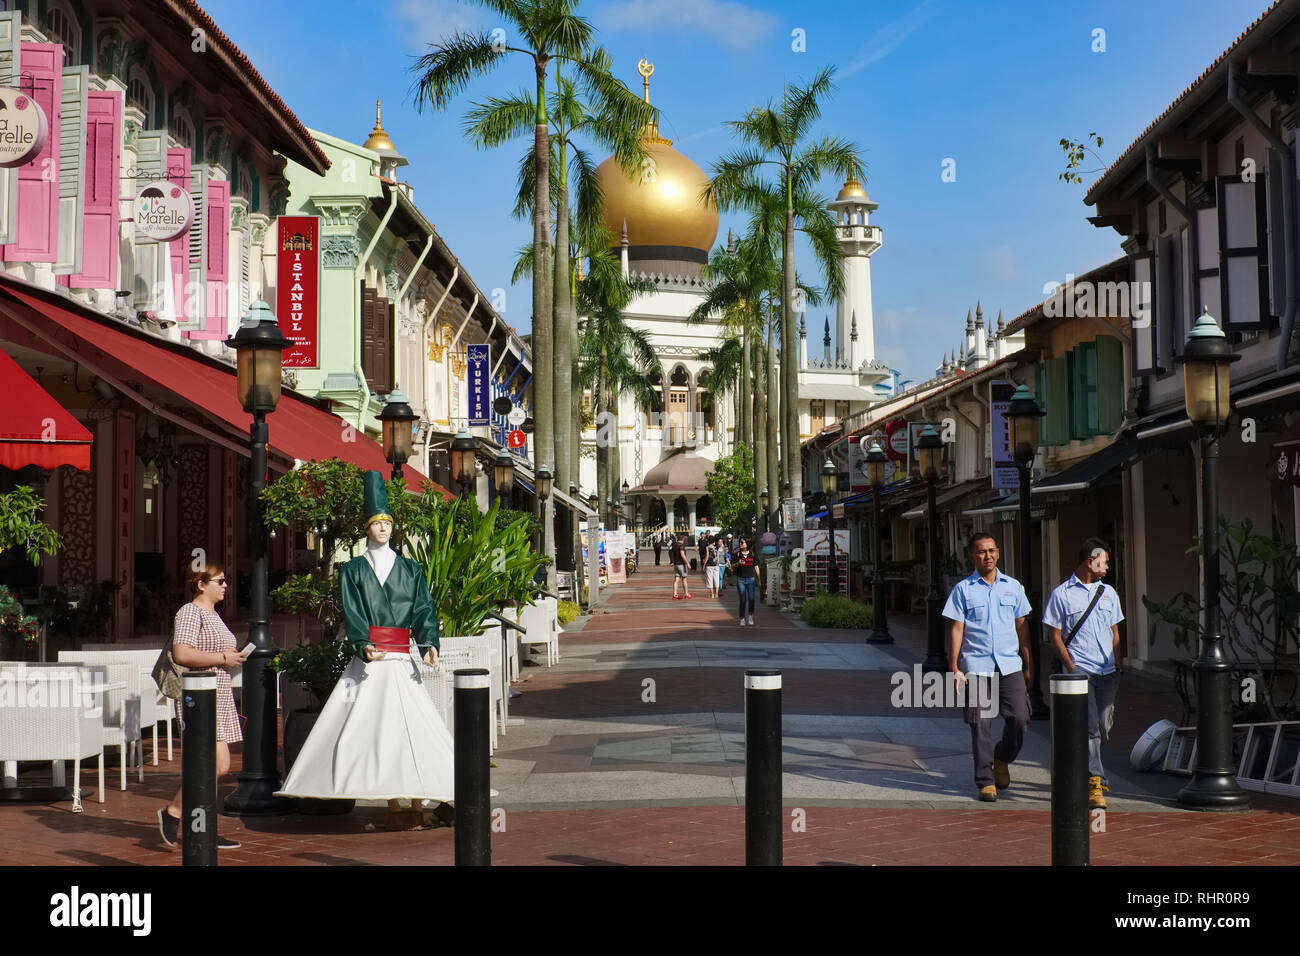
{"x":746,"y":584}
{"x":987,"y":611}
{"x":677,"y":557}
{"x":1084,"y":615}
{"x":658,"y":546}
{"x":712,"y":566}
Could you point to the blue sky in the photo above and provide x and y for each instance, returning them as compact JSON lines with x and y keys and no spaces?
{"x":991,"y":85}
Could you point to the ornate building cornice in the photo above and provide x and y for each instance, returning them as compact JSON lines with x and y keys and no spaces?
{"x":341,"y":212}
{"x":340,"y":252}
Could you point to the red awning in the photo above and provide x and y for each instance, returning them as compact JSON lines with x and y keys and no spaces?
{"x":298,"y":428}
{"x":34,"y":428}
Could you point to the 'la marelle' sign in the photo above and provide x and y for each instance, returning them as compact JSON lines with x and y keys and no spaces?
{"x":163,"y":211}
{"x":23,"y":128}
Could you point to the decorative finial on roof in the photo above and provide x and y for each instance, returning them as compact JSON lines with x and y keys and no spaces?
{"x":970,"y":322}
{"x":826,"y":338}
{"x":979,"y":316}
{"x":803,"y":325}
{"x":1002,"y":323}
{"x":853,"y":329}
{"x":731,"y":243}
{"x":624,"y":241}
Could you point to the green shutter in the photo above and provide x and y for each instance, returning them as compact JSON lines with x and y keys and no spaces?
{"x":1056,"y":402}
{"x":1074,"y":390}
{"x":1088,"y":391}
{"x":1110,"y":384}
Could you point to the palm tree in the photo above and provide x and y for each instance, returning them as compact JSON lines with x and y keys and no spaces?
{"x":608,"y":125}
{"x":550,"y":30}
{"x":776,"y":137}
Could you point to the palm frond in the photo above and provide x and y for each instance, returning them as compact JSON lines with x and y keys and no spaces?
{"x":450,"y":66}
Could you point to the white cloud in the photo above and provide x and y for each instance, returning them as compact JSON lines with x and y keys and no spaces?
{"x":729,"y":23}
{"x":432,"y":20}
{"x":889,"y":37}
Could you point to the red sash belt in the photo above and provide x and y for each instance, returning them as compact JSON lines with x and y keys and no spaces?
{"x":391,"y":638}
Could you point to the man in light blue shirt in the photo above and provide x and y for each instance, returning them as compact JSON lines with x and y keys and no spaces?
{"x":987,"y":637}
{"x":1089,"y":645}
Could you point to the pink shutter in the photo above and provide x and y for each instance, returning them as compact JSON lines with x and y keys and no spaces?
{"x":103,"y":166}
{"x":36,"y":239}
{"x":178,"y":173}
{"x":217,"y":269}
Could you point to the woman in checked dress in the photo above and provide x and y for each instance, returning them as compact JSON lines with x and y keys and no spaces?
{"x":203,"y":643}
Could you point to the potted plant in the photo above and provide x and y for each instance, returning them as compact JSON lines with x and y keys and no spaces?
{"x":17,"y":625}
{"x":316,"y":668}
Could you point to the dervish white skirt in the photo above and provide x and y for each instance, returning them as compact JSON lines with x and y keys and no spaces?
{"x":379,"y":737}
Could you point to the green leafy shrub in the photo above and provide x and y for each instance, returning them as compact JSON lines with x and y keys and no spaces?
{"x":317,"y":667}
{"x":14,"y":622}
{"x":835,"y":610}
{"x":312,"y":594}
{"x":567,"y":612}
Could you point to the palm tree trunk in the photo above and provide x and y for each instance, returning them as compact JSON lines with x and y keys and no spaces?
{"x":775,"y":407}
{"x":563,"y":341}
{"x":543,"y":330}
{"x":746,"y":391}
{"x":602,"y":426}
{"x":790,"y":356}
{"x":761,"y":479}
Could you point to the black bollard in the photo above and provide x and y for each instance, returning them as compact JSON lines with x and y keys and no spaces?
{"x":473,"y":813}
{"x":1070,"y":770}
{"x":763,"y":812}
{"x":199,"y":770}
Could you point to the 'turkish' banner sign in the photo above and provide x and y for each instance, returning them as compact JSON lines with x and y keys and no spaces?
{"x":297,"y":287}
{"x":478,"y":368}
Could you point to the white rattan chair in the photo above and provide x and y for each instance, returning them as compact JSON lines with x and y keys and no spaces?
{"x":62,"y":728}
{"x":539,"y":623}
{"x":484,"y":652}
{"x":154,"y":707}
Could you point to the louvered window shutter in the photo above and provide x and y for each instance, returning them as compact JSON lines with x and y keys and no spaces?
{"x":1057,"y":403}
{"x":178,"y":250}
{"x":99,"y":226}
{"x":1088,"y":403}
{"x":1074,"y":376}
{"x":1166,"y":314}
{"x":245,"y":278}
{"x":1276,"y":236}
{"x":1142,"y":305}
{"x":10,"y":30}
{"x":368,"y":329}
{"x":1110,"y":384}
{"x":150,"y":283}
{"x":1243,"y":279}
{"x":387,"y":322}
{"x":72,"y":165}
{"x":197,"y":253}
{"x":1205,"y":236}
{"x":217,"y":314}
{"x":35,"y":238}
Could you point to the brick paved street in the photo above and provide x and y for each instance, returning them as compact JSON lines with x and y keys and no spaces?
{"x":590,"y":772}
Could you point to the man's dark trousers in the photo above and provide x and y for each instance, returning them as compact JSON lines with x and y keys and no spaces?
{"x":1013,"y":708}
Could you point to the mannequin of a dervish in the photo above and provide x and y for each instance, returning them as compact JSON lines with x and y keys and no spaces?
{"x":379,"y":735}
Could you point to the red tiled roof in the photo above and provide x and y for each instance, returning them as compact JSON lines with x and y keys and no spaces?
{"x":1091,"y":197}
{"x":286,"y":117}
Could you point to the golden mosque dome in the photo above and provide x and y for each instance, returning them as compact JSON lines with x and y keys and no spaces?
{"x":852,"y":190}
{"x":378,"y":136}
{"x":661,"y":203}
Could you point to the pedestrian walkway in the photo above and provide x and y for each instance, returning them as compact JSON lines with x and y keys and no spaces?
{"x":630,"y":751}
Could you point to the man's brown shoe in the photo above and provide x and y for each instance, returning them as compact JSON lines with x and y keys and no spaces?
{"x":1096,"y":793}
{"x":1001,"y":774}
{"x":988,"y":794}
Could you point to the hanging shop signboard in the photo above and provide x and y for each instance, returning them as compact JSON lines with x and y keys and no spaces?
{"x":297,"y":287}
{"x":23,"y":128}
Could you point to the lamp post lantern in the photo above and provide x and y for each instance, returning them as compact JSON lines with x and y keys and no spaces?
{"x":1023,"y":414}
{"x":260,"y":347}
{"x":876,"y":462}
{"x":395,"y":421}
{"x":463,"y":460}
{"x":830,"y":479}
{"x":763,"y":498}
{"x":544,"y":479}
{"x":929,"y":452}
{"x":503,"y":472}
{"x":1206,"y":382}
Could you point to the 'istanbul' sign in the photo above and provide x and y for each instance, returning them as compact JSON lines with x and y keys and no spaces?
{"x":297,"y":287}
{"x":23,"y":128}
{"x":163,"y":211}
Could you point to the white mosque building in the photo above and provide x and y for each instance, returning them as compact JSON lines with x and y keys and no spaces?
{"x":666,"y":453}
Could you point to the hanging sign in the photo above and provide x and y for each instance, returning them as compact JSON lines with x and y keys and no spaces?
{"x":1006,"y":476}
{"x":517,"y":416}
{"x":895,"y":443}
{"x":23,"y":128}
{"x":516,"y":439}
{"x":297,"y":287}
{"x":477,"y":366}
{"x":163,"y":211}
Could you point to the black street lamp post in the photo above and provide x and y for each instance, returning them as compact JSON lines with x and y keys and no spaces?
{"x":1023,"y":414}
{"x":930,"y":456}
{"x":830,"y":479}
{"x":876,"y":462}
{"x":503,"y":474}
{"x":1206,"y":383}
{"x":259,"y":346}
{"x":463,"y":460}
{"x":395,"y":421}
{"x":763,"y":498}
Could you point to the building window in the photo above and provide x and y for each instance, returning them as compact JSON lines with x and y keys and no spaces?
{"x":817,"y":415}
{"x":140,"y":95}
{"x":183,"y":130}
{"x":245,"y":184}
{"x":841,"y":411}
{"x":62,"y":28}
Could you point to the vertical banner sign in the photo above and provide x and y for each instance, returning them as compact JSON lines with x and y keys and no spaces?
{"x":914,"y":430}
{"x":477,"y":368}
{"x":297,"y":287}
{"x":1005,"y":475}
